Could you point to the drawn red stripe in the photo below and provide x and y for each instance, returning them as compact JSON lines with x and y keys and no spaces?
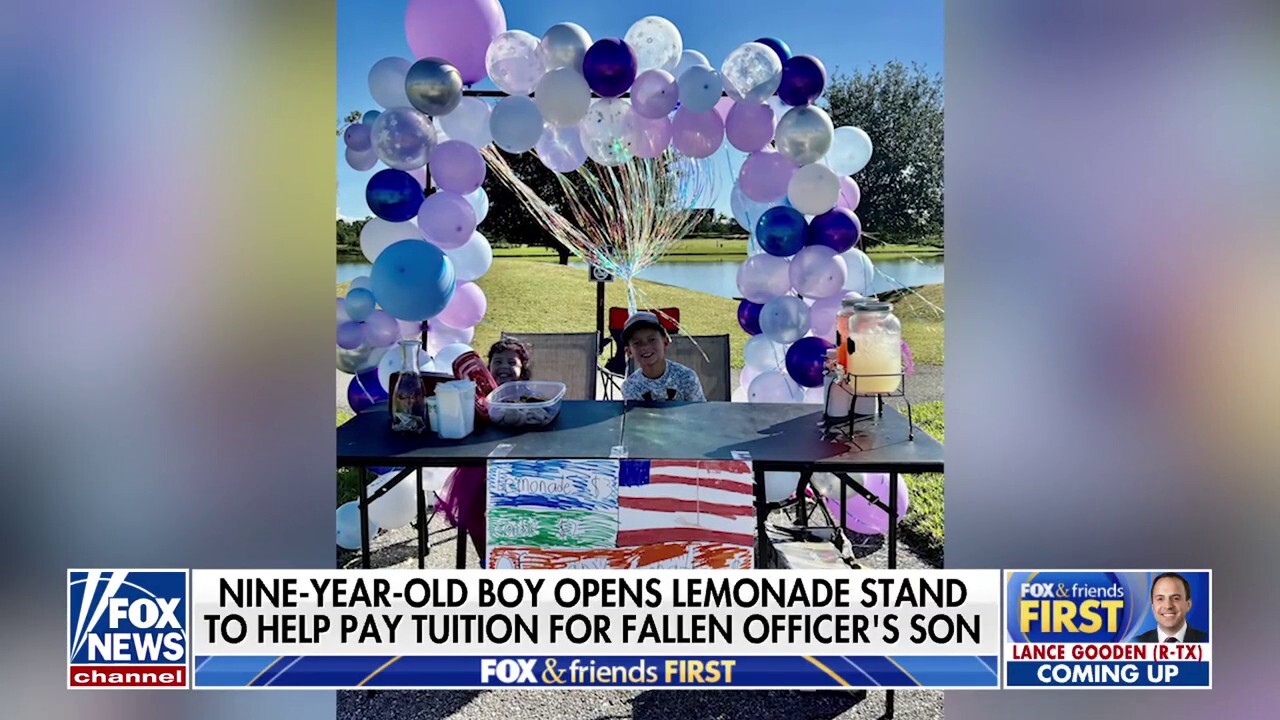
{"x":725,"y":466}
{"x":714,"y":483}
{"x":690,"y":506}
{"x":660,"y":535}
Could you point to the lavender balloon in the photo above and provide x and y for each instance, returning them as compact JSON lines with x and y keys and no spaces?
{"x":764,"y":277}
{"x":784,"y":319}
{"x":765,"y":175}
{"x":651,"y":137}
{"x":749,"y":126}
{"x":609,"y":67}
{"x":805,"y":361}
{"x":350,"y":335}
{"x":654,"y":94}
{"x":446,"y":220}
{"x":803,"y":79}
{"x":560,"y":148}
{"x":361,"y":161}
{"x":457,"y":167}
{"x":458,"y":31}
{"x":865,"y":517}
{"x":774,"y":387}
{"x":358,"y":137}
{"x":359,"y":304}
{"x":697,"y":134}
{"x":822,"y":314}
{"x":467,"y":307}
{"x":838,"y":229}
{"x":818,"y":272}
{"x":381,"y":329}
{"x":850,"y":194}
{"x":749,"y":317}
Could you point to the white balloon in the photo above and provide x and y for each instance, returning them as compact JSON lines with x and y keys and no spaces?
{"x":688,"y":59}
{"x":740,"y":395}
{"x":472,"y":260}
{"x":607,"y":131}
{"x":393,"y":362}
{"x":444,"y":359}
{"x":469,"y":122}
{"x":850,"y":150}
{"x":762,"y":355}
{"x":700,"y":88}
{"x":514,"y":63}
{"x":516,"y":124}
{"x":563,"y":96}
{"x":656,"y":42}
{"x":775,"y":386}
{"x":480,"y":203}
{"x":348,"y":525}
{"x":378,"y":234}
{"x":752,"y":72}
{"x":862,"y":272}
{"x":814,"y":189}
{"x":386,"y":82}
{"x":778,"y":107}
{"x":398,"y":507}
{"x":779,"y":485}
{"x":442,"y":336}
{"x":563,"y":46}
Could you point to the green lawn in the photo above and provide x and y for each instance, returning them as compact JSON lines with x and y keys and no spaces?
{"x":923,"y":324}
{"x":923,"y":526}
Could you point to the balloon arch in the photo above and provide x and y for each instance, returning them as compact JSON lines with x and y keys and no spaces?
{"x":640,"y":101}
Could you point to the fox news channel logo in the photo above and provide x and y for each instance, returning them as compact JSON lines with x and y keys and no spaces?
{"x":1087,"y":628}
{"x":127,"y":629}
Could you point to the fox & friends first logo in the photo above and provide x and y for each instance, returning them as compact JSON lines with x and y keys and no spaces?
{"x":1104,"y":628}
{"x":127,"y":629}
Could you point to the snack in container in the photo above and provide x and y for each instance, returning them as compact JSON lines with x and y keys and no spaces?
{"x":526,"y":403}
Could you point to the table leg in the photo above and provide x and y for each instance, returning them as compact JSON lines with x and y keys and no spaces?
{"x":460,"y":561}
{"x":893,"y":521}
{"x":888,"y":704}
{"x":762,"y":517}
{"x":364,"y":519}
{"x":423,"y":537}
{"x":844,"y":517}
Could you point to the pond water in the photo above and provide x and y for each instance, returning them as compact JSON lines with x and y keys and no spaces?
{"x":721,"y":278}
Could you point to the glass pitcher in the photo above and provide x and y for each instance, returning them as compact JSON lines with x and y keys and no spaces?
{"x":875,"y":349}
{"x":408,"y":396}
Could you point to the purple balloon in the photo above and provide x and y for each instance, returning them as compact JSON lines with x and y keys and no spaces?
{"x":457,"y":167}
{"x":654,"y":94}
{"x":838,"y":229}
{"x":381,"y":329}
{"x":749,"y":127}
{"x":749,"y":316}
{"x":764,"y":277}
{"x":365,"y":391}
{"x":350,"y":335}
{"x":361,"y":161}
{"x":456,"y":31}
{"x":358,"y":137}
{"x":803,"y":79}
{"x":850,"y":194}
{"x":818,"y":272}
{"x":609,"y":67}
{"x":651,"y":137}
{"x":863,"y":517}
{"x":697,"y":134}
{"x":467,"y":307}
{"x":765,"y":175}
{"x":779,"y":47}
{"x":446,"y":220}
{"x":806,"y":359}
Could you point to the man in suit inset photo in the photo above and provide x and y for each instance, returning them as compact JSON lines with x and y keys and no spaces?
{"x":1170,"y":601}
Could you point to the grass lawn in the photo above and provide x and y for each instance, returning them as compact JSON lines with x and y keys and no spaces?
{"x":923,"y":526}
{"x":715,"y":249}
{"x":923,"y":326}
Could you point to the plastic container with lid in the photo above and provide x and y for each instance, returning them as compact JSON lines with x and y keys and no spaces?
{"x":874,"y":348}
{"x":526,"y":403}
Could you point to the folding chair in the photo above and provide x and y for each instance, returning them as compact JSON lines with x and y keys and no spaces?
{"x":616,"y":369}
{"x":708,"y":356}
{"x":569,"y":358}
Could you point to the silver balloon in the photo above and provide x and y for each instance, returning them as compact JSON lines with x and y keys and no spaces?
{"x":433,"y":86}
{"x":564,"y":45}
{"x":403,"y":138}
{"x":804,"y":134}
{"x":354,"y":362}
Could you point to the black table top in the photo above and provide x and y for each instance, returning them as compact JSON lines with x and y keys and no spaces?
{"x":777,"y":436}
{"x":584,"y":429}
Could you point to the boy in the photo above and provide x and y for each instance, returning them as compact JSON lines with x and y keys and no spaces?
{"x":657,"y":378}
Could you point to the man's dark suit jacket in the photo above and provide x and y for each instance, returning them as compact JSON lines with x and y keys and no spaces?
{"x":1193,"y":636}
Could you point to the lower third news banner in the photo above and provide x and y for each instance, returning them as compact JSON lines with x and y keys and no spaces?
{"x":595,"y":629}
{"x":1107,"y":628}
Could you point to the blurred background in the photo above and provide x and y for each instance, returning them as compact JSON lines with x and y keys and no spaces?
{"x":1112,"y":172}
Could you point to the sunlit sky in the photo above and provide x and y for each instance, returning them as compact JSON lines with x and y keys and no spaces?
{"x":845,"y":34}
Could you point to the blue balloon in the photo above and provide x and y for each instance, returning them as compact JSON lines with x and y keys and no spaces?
{"x":393,"y":195}
{"x":609,"y":67}
{"x":359,"y":304}
{"x":776,"y":45}
{"x":365,"y":391}
{"x":369,"y":117}
{"x":749,"y":316}
{"x":379,"y":470}
{"x":806,"y":360}
{"x":780,"y":231}
{"x":804,"y":77}
{"x":413,"y":280}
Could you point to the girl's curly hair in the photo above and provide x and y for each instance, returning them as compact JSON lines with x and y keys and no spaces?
{"x":520,"y":349}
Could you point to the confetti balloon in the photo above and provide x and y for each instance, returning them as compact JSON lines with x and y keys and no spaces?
{"x":654,"y":94}
{"x":814,"y":189}
{"x":386,"y":82}
{"x":657,"y":44}
{"x":563,"y":46}
{"x":469,"y":122}
{"x":699,"y":88}
{"x":446,"y":220}
{"x":609,"y":67}
{"x":697,"y":134}
{"x":514,"y":63}
{"x":752,"y":72}
{"x":413,"y":280}
{"x":818,"y":272}
{"x":784,"y":319}
{"x":560,"y":148}
{"x":516,"y":124}
{"x":764,"y":277}
{"x":457,"y":167}
{"x":607,"y":131}
{"x":563,"y":97}
{"x":850,"y":151}
{"x":433,"y":86}
{"x":804,"y":134}
{"x":403,"y":138}
{"x":393,"y":195}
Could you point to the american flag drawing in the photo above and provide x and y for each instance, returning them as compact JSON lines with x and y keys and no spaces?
{"x":685,"y":501}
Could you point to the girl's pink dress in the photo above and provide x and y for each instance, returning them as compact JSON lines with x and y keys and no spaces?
{"x":462,"y":500}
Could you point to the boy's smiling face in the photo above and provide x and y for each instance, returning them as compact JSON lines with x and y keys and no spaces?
{"x":648,"y":347}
